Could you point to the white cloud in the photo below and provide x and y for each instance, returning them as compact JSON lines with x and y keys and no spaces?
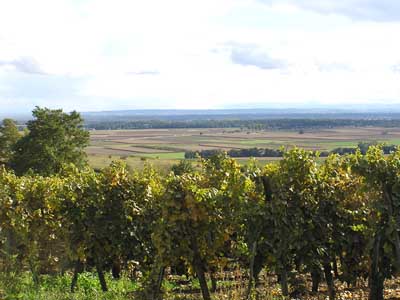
{"x":22,"y":64}
{"x":98,"y":54}
{"x":375,"y":10}
{"x":252,"y":55}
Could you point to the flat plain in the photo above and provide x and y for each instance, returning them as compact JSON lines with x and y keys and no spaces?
{"x":164,"y":147}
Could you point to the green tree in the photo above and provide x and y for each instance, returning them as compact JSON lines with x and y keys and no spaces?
{"x":54,"y":138}
{"x":9,"y":136}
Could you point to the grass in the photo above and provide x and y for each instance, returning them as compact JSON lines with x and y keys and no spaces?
{"x":58,"y":288}
{"x":258,"y":142}
{"x":88,"y":288}
{"x":99,"y":161}
{"x":232,"y":285}
{"x":393,"y":142}
{"x":337,"y":144}
{"x":169,"y":155}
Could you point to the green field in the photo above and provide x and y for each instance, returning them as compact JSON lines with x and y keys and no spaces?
{"x":169,"y":155}
{"x":164,"y":147}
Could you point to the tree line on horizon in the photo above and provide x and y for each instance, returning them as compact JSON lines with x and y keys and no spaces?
{"x":249,"y":124}
{"x":268,"y":152}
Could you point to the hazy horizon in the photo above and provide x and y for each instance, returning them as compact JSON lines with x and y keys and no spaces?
{"x":262,"y":112}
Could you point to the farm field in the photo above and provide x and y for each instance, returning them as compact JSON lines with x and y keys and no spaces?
{"x":164,"y":147}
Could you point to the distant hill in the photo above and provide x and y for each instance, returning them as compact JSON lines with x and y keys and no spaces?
{"x":322,"y":112}
{"x":236,"y":114}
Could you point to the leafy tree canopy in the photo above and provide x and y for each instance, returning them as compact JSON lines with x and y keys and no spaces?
{"x":54,"y":138}
{"x":9,"y":135}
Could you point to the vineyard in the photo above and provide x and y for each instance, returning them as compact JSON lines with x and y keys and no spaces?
{"x":313,"y":228}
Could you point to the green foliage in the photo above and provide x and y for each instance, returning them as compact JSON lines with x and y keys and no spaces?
{"x":298,"y":216}
{"x":9,"y":136}
{"x":182,"y":167}
{"x":57,"y":288}
{"x":54,"y":138}
{"x":382,"y":174}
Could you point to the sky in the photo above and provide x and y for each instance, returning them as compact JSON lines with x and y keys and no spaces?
{"x":93,"y":55}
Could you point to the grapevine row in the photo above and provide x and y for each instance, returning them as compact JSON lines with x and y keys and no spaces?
{"x":334,"y":219}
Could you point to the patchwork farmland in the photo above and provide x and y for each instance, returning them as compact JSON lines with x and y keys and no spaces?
{"x":163,"y":147}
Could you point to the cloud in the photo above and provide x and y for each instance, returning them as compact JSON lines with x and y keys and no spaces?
{"x":373,"y":10}
{"x":284,"y":51}
{"x":26,"y":65}
{"x":251,"y":55}
{"x":332,"y":67}
{"x":144,"y":72}
{"x":396,"y":68}
{"x":52,"y":87}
